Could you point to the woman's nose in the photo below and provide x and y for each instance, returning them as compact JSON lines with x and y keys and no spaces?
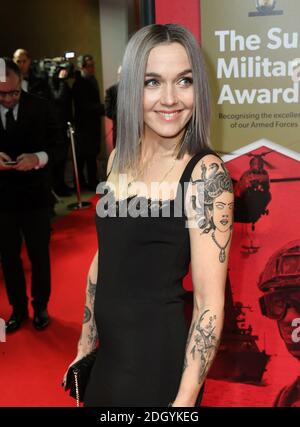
{"x":169,"y":95}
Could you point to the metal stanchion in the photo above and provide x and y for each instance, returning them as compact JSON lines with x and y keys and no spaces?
{"x":79,"y":204}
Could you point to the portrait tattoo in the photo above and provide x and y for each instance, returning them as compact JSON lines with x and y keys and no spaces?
{"x":211,"y":206}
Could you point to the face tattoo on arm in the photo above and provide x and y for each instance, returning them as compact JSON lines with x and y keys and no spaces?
{"x":213,"y":208}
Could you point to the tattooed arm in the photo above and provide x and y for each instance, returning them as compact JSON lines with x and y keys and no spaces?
{"x":88,"y":338}
{"x":209,"y":208}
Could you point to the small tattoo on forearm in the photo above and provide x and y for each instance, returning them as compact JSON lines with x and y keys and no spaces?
{"x":91,"y":290}
{"x":92,"y":336}
{"x":205,"y":343}
{"x":87,"y":315}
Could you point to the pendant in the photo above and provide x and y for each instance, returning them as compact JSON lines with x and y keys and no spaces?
{"x":222,"y":255}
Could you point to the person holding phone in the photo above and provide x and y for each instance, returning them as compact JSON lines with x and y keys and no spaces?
{"x":29,"y":133}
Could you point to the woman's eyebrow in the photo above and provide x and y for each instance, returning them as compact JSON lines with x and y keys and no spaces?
{"x":152,"y":74}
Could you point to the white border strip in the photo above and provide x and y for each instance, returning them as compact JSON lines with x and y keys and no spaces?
{"x":257,"y":144}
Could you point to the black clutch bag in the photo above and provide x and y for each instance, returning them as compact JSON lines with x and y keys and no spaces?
{"x":78,"y":376}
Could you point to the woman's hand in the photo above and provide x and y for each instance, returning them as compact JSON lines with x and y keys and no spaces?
{"x":78,"y":357}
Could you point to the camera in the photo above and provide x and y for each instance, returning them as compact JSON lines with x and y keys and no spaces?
{"x":51,"y":67}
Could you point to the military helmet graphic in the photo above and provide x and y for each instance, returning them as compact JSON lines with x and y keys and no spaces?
{"x":282,"y":270}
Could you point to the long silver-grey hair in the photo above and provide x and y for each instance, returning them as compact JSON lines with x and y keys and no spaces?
{"x":131,"y":87}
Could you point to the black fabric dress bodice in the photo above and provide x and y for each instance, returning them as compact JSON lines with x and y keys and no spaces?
{"x":139,"y":304}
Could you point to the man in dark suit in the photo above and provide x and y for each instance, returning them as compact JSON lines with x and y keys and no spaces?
{"x":88,"y":112}
{"x":28,"y":135}
{"x":31,"y":83}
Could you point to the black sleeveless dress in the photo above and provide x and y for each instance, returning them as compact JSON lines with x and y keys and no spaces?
{"x":139,"y":306}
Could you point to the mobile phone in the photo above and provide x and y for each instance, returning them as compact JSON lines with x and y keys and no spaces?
{"x":11,"y":162}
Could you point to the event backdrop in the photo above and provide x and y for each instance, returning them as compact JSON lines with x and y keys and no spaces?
{"x":253,"y":59}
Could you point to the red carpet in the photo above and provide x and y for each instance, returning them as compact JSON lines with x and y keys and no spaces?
{"x":32,"y":363}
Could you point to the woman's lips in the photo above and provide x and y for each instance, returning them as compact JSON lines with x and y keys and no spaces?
{"x":169,"y":116}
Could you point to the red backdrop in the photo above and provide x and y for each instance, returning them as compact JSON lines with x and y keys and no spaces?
{"x":184,"y":12}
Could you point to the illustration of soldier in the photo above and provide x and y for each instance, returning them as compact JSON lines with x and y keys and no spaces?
{"x":280,"y":282}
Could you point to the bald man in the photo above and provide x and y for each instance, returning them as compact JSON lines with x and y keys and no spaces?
{"x":30,"y":82}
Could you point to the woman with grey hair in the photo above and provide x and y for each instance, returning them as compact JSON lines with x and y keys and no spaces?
{"x":151,"y":224}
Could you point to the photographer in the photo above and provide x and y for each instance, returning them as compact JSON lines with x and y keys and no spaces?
{"x":61,"y":96}
{"x":88,"y":112}
{"x":28,"y":135}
